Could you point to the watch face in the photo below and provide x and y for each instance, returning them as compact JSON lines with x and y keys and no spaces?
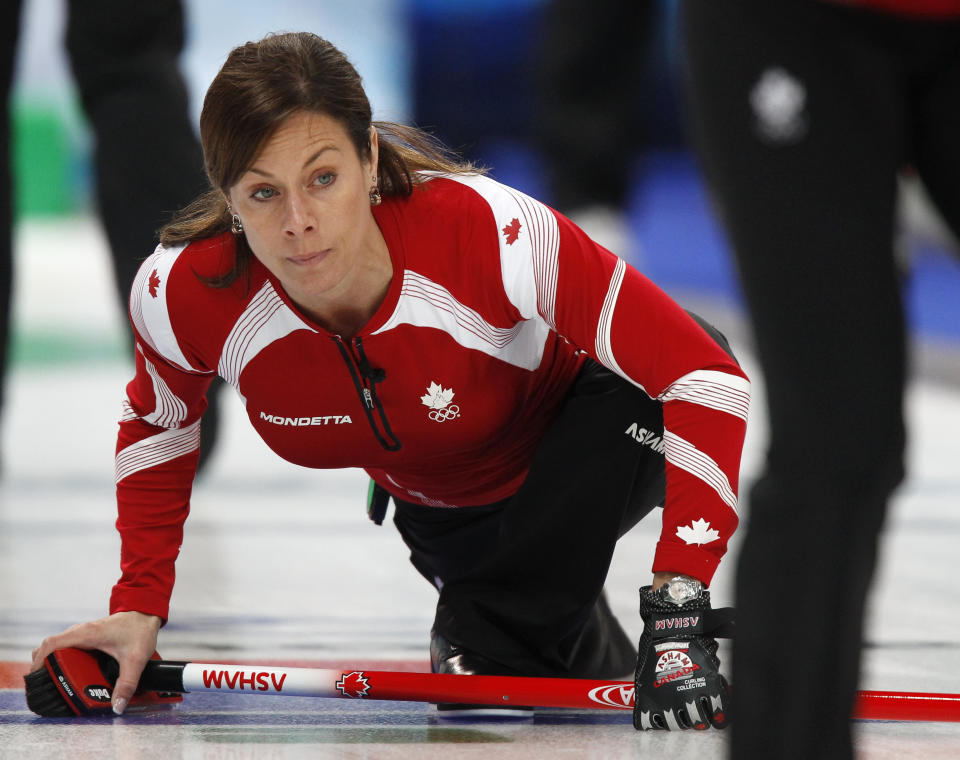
{"x":681,"y":590}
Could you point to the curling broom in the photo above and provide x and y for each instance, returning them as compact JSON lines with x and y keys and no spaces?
{"x":77,"y":682}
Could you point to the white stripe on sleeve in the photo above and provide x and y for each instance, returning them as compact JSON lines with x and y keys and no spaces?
{"x":717,"y":390}
{"x":157,"y":449}
{"x":127,"y":412}
{"x":544,"y":250}
{"x":170,"y":411}
{"x":686,"y":456}
{"x":603,"y":344}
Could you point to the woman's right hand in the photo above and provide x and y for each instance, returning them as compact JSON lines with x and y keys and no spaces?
{"x":129,"y":637}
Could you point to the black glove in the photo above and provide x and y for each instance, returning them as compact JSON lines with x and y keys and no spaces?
{"x":678,"y":679}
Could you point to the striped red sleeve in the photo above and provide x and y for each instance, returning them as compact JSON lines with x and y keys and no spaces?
{"x":157,"y":452}
{"x":157,"y":449}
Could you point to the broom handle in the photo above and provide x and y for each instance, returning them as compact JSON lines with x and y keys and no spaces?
{"x":516,"y":691}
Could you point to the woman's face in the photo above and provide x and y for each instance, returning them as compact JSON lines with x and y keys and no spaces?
{"x":305,"y":207}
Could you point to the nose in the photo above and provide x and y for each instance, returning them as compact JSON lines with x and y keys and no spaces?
{"x":300,"y":218}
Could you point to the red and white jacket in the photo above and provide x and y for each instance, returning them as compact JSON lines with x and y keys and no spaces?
{"x":444,"y":395}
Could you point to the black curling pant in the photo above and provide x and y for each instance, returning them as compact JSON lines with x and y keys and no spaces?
{"x":803,"y":114}
{"x":520,"y":581}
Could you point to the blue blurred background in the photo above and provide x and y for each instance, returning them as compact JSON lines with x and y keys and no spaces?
{"x":463,"y":69}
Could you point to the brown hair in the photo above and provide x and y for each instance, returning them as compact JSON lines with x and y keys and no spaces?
{"x":259,"y":86}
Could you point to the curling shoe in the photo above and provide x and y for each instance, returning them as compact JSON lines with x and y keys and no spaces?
{"x":449,"y":658}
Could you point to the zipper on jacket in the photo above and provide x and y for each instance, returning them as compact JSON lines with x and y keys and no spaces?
{"x":365,"y":379}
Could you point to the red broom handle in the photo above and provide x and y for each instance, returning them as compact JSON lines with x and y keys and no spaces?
{"x":498,"y":690}
{"x":907,"y":705}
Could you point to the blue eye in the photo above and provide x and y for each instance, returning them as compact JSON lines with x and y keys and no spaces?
{"x":264,"y":193}
{"x":324,"y":179}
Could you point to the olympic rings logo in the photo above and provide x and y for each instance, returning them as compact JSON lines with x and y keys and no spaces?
{"x":442,"y":415}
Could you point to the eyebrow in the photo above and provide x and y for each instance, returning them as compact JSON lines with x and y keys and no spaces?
{"x":306,"y":163}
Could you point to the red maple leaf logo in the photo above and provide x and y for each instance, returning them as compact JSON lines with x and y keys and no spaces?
{"x":153,"y":283}
{"x":353,"y":685}
{"x":512,"y":231}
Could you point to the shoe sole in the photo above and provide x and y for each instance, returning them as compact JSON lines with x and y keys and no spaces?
{"x":485,"y":712}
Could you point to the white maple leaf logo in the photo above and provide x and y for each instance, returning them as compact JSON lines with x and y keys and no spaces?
{"x":697,"y":532}
{"x":437,"y":397}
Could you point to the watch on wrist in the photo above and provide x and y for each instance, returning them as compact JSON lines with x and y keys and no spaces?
{"x":681,"y":589}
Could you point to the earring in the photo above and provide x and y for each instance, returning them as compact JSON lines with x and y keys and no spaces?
{"x":236,"y":226}
{"x":375,"y":198}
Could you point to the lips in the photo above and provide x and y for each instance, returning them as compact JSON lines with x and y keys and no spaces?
{"x":312,"y":257}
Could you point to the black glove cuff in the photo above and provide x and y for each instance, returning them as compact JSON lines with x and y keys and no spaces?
{"x":664,"y":618}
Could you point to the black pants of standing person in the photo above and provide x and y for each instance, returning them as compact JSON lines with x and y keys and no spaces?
{"x":590,"y":59}
{"x":520,"y":581}
{"x":147,"y":159}
{"x":803,"y":113}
